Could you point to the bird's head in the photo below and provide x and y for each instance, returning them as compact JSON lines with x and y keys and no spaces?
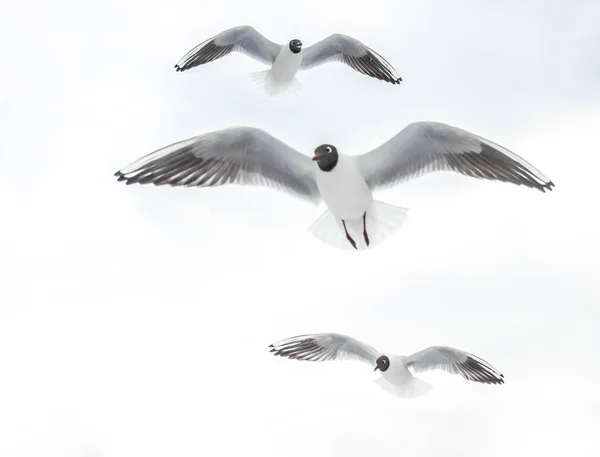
{"x":326,"y":157}
{"x":382,"y":363}
{"x":295,"y":46}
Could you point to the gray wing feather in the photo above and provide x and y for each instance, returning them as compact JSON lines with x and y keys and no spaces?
{"x":455,"y":361}
{"x":323,"y":347}
{"x":238,"y":155}
{"x":245,"y":39}
{"x":424,"y":147}
{"x":345,"y":49}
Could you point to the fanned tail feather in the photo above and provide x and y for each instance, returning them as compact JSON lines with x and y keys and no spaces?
{"x":412,"y":388}
{"x":382,"y":220}
{"x":274,"y":88}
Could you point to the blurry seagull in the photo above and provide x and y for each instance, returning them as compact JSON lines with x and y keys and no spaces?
{"x":246,"y":155}
{"x":395,"y":370}
{"x":285,"y":60}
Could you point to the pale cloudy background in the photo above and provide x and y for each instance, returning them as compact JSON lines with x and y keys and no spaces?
{"x":134,"y":321}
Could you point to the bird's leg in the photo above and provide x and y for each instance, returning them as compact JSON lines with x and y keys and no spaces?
{"x":348,"y":237}
{"x":365,"y":228}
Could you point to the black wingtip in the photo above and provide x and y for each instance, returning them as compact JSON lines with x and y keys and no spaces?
{"x":121,"y":177}
{"x":499,"y":380}
{"x":481,"y":373}
{"x":548,"y":186}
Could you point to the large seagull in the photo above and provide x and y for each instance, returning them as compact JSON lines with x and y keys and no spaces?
{"x":353,"y":219}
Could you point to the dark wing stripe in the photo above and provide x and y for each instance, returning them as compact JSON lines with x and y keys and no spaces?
{"x":229,"y":177}
{"x":324,"y":346}
{"x":454,"y":361}
{"x":219,"y":173}
{"x":499,"y":174}
{"x":370,"y":65}
{"x":195,"y":173}
{"x":159,"y":168}
{"x":169,"y":172}
{"x":240,"y":155}
{"x":351,"y":52}
{"x":480,"y":372}
{"x":303,"y":350}
{"x":189,"y":174}
{"x":489,"y":164}
{"x":471,"y":372}
{"x":424,"y":147}
{"x":207,"y":53}
{"x":474,"y":370}
{"x":207,"y":171}
{"x":184,"y":169}
{"x":172,"y":169}
{"x":170,"y":177}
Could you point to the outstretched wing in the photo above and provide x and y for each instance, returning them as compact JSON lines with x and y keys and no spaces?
{"x":424,"y":147}
{"x":455,"y":361}
{"x":345,"y":49}
{"x":323,"y":347}
{"x":244,"y":39}
{"x":237,"y":155}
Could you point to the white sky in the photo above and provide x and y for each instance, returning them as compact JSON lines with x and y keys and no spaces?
{"x":135,"y":321}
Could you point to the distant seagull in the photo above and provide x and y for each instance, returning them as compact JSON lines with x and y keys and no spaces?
{"x":287,"y":59}
{"x":396,"y":375}
{"x":246,"y":155}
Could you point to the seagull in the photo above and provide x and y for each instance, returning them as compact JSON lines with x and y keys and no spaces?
{"x":285,"y":60}
{"x":353,"y":219}
{"x":397,"y":377}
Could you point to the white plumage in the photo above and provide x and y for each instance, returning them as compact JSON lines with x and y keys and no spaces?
{"x":344,"y":189}
{"x":286,"y":60}
{"x":246,"y":155}
{"x":281,"y":77}
{"x":396,"y":376}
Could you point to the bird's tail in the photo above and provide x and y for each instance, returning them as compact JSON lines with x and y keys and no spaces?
{"x":273,"y":87}
{"x":412,"y":388}
{"x":382,"y":220}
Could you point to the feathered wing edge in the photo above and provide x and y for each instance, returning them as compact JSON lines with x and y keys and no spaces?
{"x":455,"y":361}
{"x":426,"y":147}
{"x":324,"y":347}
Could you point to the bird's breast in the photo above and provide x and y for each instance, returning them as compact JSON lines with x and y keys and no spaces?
{"x":397,"y":373}
{"x":286,"y":64}
{"x":344,"y":190}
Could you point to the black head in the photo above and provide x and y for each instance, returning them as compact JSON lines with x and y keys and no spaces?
{"x":383,"y":363}
{"x":326,"y":157}
{"x":295,"y":46}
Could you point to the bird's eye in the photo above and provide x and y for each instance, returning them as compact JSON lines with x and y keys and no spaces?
{"x":328,"y":149}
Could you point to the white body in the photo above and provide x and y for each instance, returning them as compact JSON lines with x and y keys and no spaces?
{"x":247,"y":155}
{"x":348,"y":196}
{"x":398,"y":380}
{"x":286,"y":65}
{"x":344,"y":189}
{"x":281,"y":76}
